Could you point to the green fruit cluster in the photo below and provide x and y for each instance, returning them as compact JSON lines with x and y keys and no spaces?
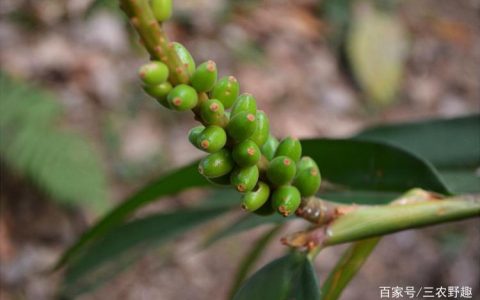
{"x":271,"y":174}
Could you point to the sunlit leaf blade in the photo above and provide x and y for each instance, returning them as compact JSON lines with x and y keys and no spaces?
{"x":251,"y":258}
{"x":174,"y":182}
{"x":289,"y":277}
{"x":451,"y":145}
{"x":376,"y":48}
{"x":242,"y":224}
{"x":96,"y":263}
{"x":368,"y":165}
{"x":347,"y":267}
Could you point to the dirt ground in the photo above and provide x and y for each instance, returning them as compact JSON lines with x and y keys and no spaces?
{"x":281,"y":52}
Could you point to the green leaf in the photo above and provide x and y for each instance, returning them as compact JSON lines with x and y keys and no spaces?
{"x":98,"y":262}
{"x":360,"y":197}
{"x":374,"y":166}
{"x":242,"y":224}
{"x":289,"y":277}
{"x":61,"y":163}
{"x":175,"y":182}
{"x":451,"y":145}
{"x":347,"y":267}
{"x":251,"y":258}
{"x":376,"y":47}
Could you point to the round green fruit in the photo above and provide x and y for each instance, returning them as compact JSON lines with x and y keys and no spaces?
{"x":153,"y":73}
{"x":226,"y":90}
{"x":204,"y":78}
{"x":212,"y":139}
{"x":286,"y":199}
{"x":185,"y":57}
{"x":244,"y":179}
{"x":212,"y":112}
{"x":305,"y":163}
{"x":290,"y":147}
{"x":281,"y":170}
{"x":255,"y":199}
{"x":182,"y":97}
{"x":246,"y":153}
{"x":241,"y":126}
{"x":194,"y":133}
{"x":159,"y":92}
{"x":262,"y":131}
{"x":244,"y":103}
{"x":216,"y":164}
{"x":162,"y":9}
{"x":269,"y":147}
{"x":308,"y":181}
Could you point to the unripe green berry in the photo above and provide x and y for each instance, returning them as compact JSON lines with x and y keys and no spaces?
{"x":153,"y":73}
{"x":159,"y":92}
{"x":246,"y":153}
{"x":212,"y":139}
{"x":162,"y":9}
{"x":241,"y":126}
{"x":308,"y":181}
{"x":204,"y":78}
{"x":244,"y":103}
{"x":194,"y":133}
{"x":306,"y":162}
{"x":281,"y":170}
{"x":216,"y":164}
{"x":270,"y":146}
{"x":290,"y":147}
{"x":256,"y":198}
{"x":262,"y":131}
{"x":185,"y":57}
{"x":286,"y":199}
{"x":244,"y":179}
{"x":226,"y":90}
{"x":212,"y":112}
{"x":182,"y":97}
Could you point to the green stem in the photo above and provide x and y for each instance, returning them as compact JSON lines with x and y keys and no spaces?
{"x":154,"y":38}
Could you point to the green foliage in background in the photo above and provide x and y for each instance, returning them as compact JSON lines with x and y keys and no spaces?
{"x":60,"y":162}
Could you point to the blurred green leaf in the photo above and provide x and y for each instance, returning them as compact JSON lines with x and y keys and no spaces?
{"x":452,"y":145}
{"x":377,"y":49}
{"x":251,"y":258}
{"x":96,"y":263}
{"x":289,"y":277}
{"x":347,"y":267}
{"x":174,"y":182}
{"x":371,"y":166}
{"x":60,"y":162}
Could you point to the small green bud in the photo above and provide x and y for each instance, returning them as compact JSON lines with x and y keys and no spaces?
{"x":244,"y":103}
{"x":204,"y":77}
{"x":286,"y":200}
{"x":159,"y":92}
{"x":241,"y":126}
{"x":153,"y":73}
{"x":216,"y":164}
{"x":185,"y":57}
{"x":182,"y":97}
{"x":290,"y":147}
{"x":262,"y":131}
{"x":226,"y":90}
{"x":212,"y":112}
{"x":281,"y":170}
{"x":212,"y":139}
{"x":162,"y":9}
{"x":270,"y":146}
{"x":244,"y":179}
{"x":194,"y":133}
{"x":255,"y":199}
{"x":306,"y":162}
{"x":246,"y":153}
{"x":308,"y":181}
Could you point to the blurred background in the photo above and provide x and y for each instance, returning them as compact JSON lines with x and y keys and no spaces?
{"x":78,"y":135}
